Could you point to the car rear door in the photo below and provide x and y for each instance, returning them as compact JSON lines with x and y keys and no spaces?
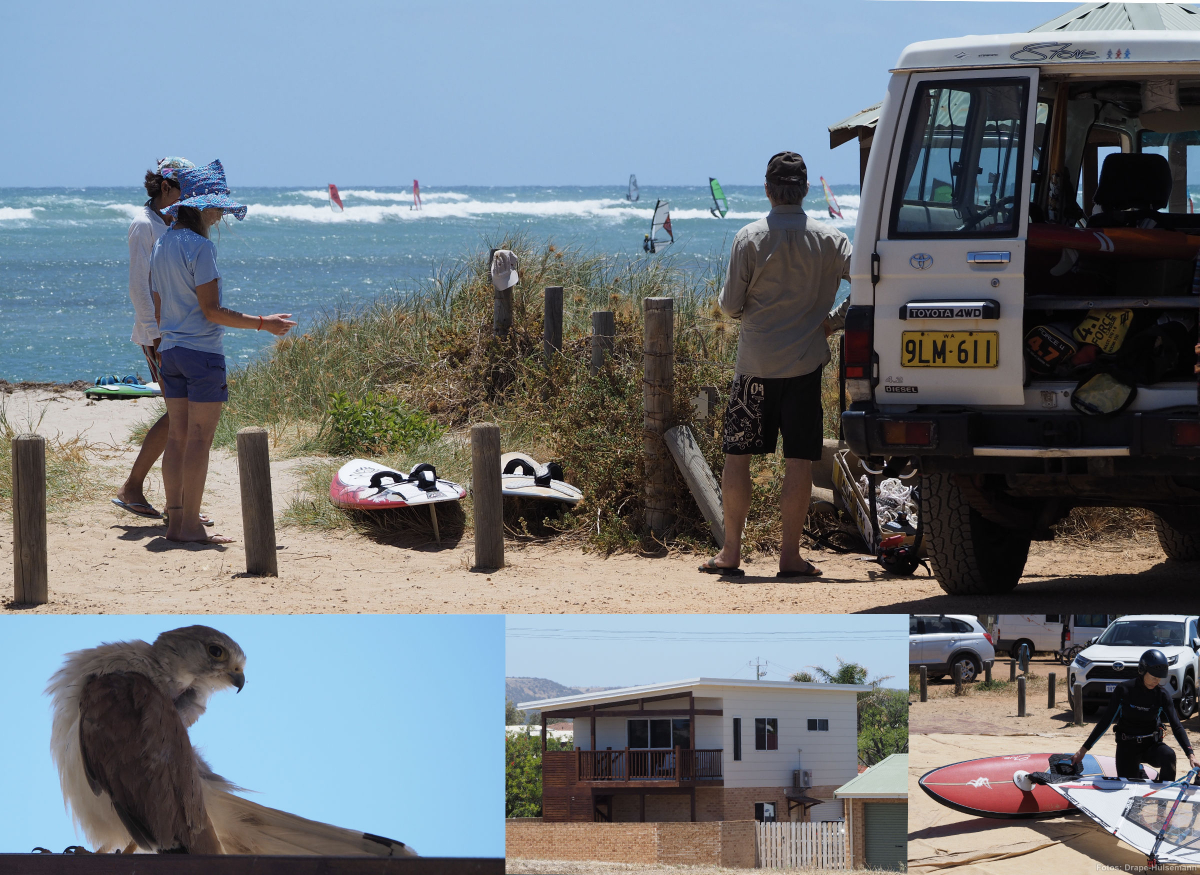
{"x":950,"y":277}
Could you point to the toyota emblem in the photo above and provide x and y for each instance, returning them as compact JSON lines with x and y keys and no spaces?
{"x":921,"y":261}
{"x":1118,"y":666}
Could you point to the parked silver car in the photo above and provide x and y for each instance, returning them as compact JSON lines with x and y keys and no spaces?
{"x":948,"y":643}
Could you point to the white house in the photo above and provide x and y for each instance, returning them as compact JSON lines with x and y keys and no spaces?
{"x":702,"y":749}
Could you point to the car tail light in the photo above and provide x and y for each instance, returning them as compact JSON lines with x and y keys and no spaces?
{"x":988,"y":636}
{"x":857,"y":350}
{"x":1185,"y":433}
{"x":908,"y":434}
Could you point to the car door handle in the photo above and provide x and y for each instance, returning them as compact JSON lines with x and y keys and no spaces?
{"x":989,"y":257}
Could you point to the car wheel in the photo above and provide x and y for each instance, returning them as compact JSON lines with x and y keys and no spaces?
{"x":1187,"y":699}
{"x":1177,"y":543}
{"x":1015,"y":650}
{"x":967,"y":668}
{"x":969,"y":554}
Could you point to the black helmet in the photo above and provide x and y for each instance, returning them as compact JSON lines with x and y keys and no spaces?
{"x":1154,"y":662}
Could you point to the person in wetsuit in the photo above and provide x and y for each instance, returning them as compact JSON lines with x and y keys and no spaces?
{"x":1138,"y":707}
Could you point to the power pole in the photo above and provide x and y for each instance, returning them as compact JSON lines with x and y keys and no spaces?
{"x":758,"y":671}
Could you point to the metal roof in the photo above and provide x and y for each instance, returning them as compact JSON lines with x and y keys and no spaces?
{"x":1126,"y":16}
{"x":683,"y":687}
{"x":849,"y":128}
{"x":887,"y":779}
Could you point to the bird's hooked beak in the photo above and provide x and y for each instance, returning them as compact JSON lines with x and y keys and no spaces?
{"x":238,"y":679}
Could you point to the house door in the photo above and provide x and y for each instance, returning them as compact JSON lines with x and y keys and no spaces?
{"x":887,"y":835}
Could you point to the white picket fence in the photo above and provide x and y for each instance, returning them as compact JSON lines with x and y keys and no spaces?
{"x":801,"y":845}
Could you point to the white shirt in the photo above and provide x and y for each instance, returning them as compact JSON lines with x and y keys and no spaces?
{"x":144,"y":232}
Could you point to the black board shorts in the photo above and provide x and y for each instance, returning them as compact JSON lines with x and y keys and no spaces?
{"x":760,"y":408}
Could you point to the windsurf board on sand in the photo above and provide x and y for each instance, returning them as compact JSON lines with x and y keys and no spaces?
{"x":985,"y":787}
{"x":116,"y":387}
{"x":361,"y":484}
{"x":523,"y":477}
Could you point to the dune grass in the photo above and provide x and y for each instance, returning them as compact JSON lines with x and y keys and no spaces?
{"x":66,"y":465}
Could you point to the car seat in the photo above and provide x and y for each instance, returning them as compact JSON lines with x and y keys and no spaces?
{"x":1133,"y":187}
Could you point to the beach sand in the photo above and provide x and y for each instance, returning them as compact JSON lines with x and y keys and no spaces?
{"x":103,"y":560}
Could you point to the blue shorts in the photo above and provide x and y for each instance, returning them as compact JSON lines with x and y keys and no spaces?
{"x":194,"y":375}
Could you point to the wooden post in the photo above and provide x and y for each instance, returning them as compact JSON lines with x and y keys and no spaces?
{"x":502,"y":312}
{"x":552,"y":322}
{"x":1050,"y":695}
{"x":1021,"y":696}
{"x":1012,"y":670}
{"x":604,"y":329}
{"x":699,"y":478}
{"x":258,"y":508}
{"x":987,"y":674}
{"x":1079,"y":704}
{"x":30,"y":569}
{"x":543,"y":735}
{"x":958,"y":679}
{"x":924,"y":684}
{"x":487,"y":496}
{"x":658,"y":391}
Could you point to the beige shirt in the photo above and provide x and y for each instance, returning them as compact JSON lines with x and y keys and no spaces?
{"x":784,"y":273}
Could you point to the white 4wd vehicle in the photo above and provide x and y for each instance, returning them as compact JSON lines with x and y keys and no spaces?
{"x":1113,"y":658}
{"x":1023,"y":304}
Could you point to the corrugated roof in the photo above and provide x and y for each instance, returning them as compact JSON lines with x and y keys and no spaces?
{"x":683,"y":687}
{"x":887,"y":779}
{"x":848,"y":128}
{"x":1126,"y":16}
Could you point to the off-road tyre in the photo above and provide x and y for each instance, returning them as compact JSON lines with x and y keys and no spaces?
{"x":1176,"y":543}
{"x":969,"y":555}
{"x":967,"y":666}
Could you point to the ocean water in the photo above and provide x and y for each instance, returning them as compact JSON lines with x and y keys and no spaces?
{"x":64,"y":274}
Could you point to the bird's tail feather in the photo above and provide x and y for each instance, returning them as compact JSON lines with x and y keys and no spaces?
{"x":246,"y":827}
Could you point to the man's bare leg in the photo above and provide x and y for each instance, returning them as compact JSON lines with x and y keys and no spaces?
{"x":793,"y":505}
{"x":188,"y":447}
{"x":132,"y":491}
{"x":735,"y":503}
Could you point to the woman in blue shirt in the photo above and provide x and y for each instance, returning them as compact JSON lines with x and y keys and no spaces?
{"x":186,"y":286}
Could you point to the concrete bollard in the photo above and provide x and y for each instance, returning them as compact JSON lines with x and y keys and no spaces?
{"x":924,"y":684}
{"x":258,"y":508}
{"x":1021,"y":696}
{"x":486,"y":495}
{"x":1050,"y":695}
{"x":30,"y":567}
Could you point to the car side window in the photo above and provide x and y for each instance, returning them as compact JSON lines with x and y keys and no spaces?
{"x":913,"y":624}
{"x":1191,"y":632}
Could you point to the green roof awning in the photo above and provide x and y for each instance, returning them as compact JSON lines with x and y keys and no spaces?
{"x":887,"y":779}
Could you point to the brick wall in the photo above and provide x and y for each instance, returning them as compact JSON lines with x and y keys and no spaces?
{"x":858,"y":820}
{"x":719,"y":843}
{"x":739,"y":801}
{"x":712,"y":804}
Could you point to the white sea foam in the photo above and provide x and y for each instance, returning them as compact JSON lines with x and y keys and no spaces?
{"x":129,"y":211}
{"x":13,"y":213}
{"x":384,"y":196}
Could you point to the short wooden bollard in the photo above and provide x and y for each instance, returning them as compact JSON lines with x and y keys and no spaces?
{"x":1021,"y":696}
{"x":1012,"y":670}
{"x":924,"y":684}
{"x":258,"y":508}
{"x":987,"y":674}
{"x":552,"y":322}
{"x":958,"y":679}
{"x":1050,"y":695}
{"x":486,"y":495}
{"x":1079,"y":704}
{"x":658,"y":398}
{"x":604,"y":330}
{"x":30,"y":570}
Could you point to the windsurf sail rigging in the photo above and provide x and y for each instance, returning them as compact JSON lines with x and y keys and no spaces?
{"x":632,"y":194}
{"x":720,"y":202}
{"x":335,"y":199}
{"x":831,"y":204}
{"x":416,"y":204}
{"x":661,"y":235}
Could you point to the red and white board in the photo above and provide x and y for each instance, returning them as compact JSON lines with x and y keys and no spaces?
{"x":985,"y":787}
{"x":364,"y":485}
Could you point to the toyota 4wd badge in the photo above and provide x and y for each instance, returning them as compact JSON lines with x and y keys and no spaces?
{"x":921,"y":261}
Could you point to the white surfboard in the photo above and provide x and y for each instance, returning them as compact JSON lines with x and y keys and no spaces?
{"x":361,"y":484}
{"x":523,"y":477}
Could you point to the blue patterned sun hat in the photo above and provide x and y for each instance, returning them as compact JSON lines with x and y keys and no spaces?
{"x":169,"y":168}
{"x":205,"y":187}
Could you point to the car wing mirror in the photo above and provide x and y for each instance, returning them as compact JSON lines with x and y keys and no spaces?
{"x":1196,"y":644}
{"x":1091,"y":641}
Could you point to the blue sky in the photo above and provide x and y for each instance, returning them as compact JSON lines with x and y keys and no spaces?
{"x":377,"y":92}
{"x":628,"y":650}
{"x":388,"y":724}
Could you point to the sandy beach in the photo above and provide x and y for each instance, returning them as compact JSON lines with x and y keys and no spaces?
{"x":103,"y":560}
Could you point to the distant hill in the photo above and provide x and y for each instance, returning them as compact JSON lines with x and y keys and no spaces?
{"x":530,"y":689}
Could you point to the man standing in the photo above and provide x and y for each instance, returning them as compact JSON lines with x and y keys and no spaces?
{"x":784,"y":273}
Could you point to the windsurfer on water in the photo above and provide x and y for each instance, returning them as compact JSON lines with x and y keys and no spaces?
{"x":647,"y":244}
{"x":1138,"y":707}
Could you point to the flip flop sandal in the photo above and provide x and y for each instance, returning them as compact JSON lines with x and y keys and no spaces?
{"x":810,"y":571}
{"x":138,"y":508}
{"x":711,"y":567}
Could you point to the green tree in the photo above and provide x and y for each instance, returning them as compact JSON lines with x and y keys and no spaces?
{"x":512,"y":715}
{"x":882,"y":713}
{"x":523,"y":773}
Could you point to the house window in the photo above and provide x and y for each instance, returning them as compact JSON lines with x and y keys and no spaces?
{"x":764,"y":812}
{"x":766,"y":733}
{"x":658,"y":733}
{"x":737,"y":738}
{"x":818,"y":724}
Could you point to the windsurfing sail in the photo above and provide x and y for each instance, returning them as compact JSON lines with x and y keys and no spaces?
{"x":835,"y":212}
{"x":632,"y":194}
{"x":720,"y":202}
{"x":661,"y":235}
{"x":416,"y":204}
{"x":335,"y":199}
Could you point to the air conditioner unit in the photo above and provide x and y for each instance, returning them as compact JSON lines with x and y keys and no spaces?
{"x":801,"y":778}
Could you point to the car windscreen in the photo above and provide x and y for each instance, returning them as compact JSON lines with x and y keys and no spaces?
{"x":1143,"y":633}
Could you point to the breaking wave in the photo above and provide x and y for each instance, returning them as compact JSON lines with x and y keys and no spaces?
{"x":13,"y":213}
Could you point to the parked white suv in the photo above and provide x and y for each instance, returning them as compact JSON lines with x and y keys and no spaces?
{"x":1113,"y":658}
{"x":1022,"y":298}
{"x":946,"y":643}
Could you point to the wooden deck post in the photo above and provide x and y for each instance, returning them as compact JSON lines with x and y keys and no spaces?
{"x":1053,"y":681}
{"x":1021,"y":696}
{"x":552,"y":322}
{"x":924,"y":683}
{"x":258,"y":508}
{"x":604,"y":330}
{"x":543,"y":733}
{"x":31,"y":574}
{"x":487,"y":496}
{"x":658,"y":396}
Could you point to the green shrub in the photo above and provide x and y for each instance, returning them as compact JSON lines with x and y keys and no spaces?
{"x":375,"y":424}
